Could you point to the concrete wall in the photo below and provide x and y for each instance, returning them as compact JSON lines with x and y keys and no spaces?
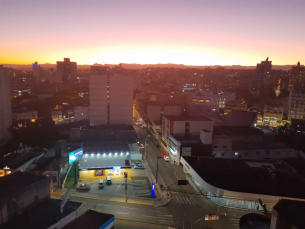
{"x":81,"y":113}
{"x":206,"y":136}
{"x":222,"y":142}
{"x":153,"y":113}
{"x":172,"y":110}
{"x":23,"y":198}
{"x":256,"y":154}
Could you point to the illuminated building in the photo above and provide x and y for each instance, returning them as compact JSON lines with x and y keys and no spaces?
{"x":273,"y":114}
{"x":5,"y":105}
{"x":67,"y":70}
{"x":237,"y":105}
{"x":111,"y":97}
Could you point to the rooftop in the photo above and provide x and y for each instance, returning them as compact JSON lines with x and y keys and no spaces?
{"x":105,"y":157}
{"x":236,"y":102}
{"x":15,"y":160}
{"x":96,"y":220}
{"x":259,"y":145}
{"x":248,"y":176}
{"x":240,"y":118}
{"x":292,"y":211}
{"x":43,"y":215}
{"x":108,"y":127}
{"x":237,"y":130}
{"x":186,"y":118}
{"x":17,"y":181}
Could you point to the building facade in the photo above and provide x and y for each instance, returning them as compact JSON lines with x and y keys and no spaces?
{"x":237,"y":105}
{"x":297,"y":104}
{"x":67,"y":71}
{"x":273,"y":114}
{"x":5,"y":106}
{"x":111,"y":99}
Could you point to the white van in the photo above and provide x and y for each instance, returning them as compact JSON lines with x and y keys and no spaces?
{"x":101,"y":183}
{"x":109,"y":180}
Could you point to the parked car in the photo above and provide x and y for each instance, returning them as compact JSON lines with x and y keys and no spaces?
{"x":83,"y":187}
{"x":139,"y":166}
{"x":109,"y":182}
{"x":166,"y":158}
{"x":135,"y":164}
{"x":101,"y":183}
{"x":157,"y":145}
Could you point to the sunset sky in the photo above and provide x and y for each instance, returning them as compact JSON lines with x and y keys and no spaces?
{"x":194,"y":32}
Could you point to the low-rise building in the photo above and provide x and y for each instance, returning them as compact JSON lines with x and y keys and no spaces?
{"x":205,"y":96}
{"x":20,"y":190}
{"x":236,"y":105}
{"x":273,"y":114}
{"x":151,"y":111}
{"x":241,"y":118}
{"x":183,"y":125}
{"x":23,"y":113}
{"x":81,"y":113}
{"x":288,"y":214}
{"x":17,"y":162}
{"x":97,"y":221}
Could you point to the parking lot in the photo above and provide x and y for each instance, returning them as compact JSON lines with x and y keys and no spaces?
{"x":138,"y":185}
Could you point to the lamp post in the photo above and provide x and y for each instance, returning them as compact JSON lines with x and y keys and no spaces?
{"x":196,"y":221}
{"x":157,"y":169}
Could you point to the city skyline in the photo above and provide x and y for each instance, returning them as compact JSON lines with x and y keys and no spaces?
{"x":178,"y":32}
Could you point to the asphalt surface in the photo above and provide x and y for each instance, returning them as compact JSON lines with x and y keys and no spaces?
{"x":187,"y":205}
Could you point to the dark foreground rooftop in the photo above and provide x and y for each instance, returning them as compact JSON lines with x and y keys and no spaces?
{"x":43,"y":215}
{"x":292,"y":211}
{"x":249,"y":176}
{"x":17,"y":181}
{"x":90,"y":220}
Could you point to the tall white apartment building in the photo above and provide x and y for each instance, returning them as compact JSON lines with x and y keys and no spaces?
{"x":5,"y":106}
{"x":111,"y":98}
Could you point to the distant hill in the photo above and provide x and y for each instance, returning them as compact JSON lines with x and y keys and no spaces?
{"x":142,"y":66}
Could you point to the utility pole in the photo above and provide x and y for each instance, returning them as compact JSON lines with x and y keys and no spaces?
{"x":125,"y":176}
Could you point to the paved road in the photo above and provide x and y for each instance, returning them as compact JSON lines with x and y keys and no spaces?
{"x":129,"y":213}
{"x":187,"y":204}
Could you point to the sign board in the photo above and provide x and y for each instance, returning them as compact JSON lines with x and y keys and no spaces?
{"x":75,"y":155}
{"x":153,"y":189}
{"x":211,"y":217}
{"x":115,"y":168}
{"x":64,"y":200}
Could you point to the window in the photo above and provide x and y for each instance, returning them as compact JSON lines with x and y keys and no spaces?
{"x":236,"y":153}
{"x":222,"y":154}
{"x":225,"y":147}
{"x":257,"y":152}
{"x":108,"y":96}
{"x":215,"y":147}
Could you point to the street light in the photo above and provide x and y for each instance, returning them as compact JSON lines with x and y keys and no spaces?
{"x":197,"y":221}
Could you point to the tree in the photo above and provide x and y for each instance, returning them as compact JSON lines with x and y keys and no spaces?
{"x":41,"y":133}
